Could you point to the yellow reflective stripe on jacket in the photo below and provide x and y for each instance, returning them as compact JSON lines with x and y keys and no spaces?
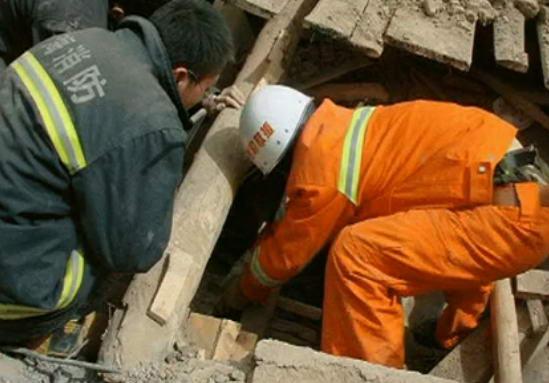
{"x":53,"y":111}
{"x":351,"y":159}
{"x":72,"y":281}
{"x":259,"y":274}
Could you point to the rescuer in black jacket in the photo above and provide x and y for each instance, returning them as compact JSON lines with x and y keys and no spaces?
{"x":92,"y":142}
{"x":24,"y":23}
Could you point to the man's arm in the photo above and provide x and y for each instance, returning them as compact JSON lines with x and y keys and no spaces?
{"x":313,"y":216}
{"x":124,"y":201}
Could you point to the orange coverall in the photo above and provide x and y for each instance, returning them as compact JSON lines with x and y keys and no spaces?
{"x":404,"y":192}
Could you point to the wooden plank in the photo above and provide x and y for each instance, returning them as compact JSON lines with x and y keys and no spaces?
{"x":297,"y":330}
{"x":543,"y":40}
{"x":337,"y":18}
{"x":262,"y":8}
{"x":329,"y":74}
{"x":201,"y":205}
{"x":228,"y":334}
{"x":300,"y":309}
{"x":203,"y":331}
{"x":256,"y":318}
{"x":537,"y":315}
{"x":533,"y":347}
{"x":164,"y":303}
{"x":505,"y":334}
{"x":509,"y":37}
{"x":447,"y":38}
{"x":221,"y":339}
{"x":369,"y":31}
{"x":533,"y":284}
{"x":350,"y":92}
{"x":514,"y":98}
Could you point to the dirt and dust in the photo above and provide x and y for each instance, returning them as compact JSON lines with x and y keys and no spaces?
{"x":185,"y":365}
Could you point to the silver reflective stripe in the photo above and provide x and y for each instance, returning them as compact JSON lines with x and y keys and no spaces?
{"x":258,"y":272}
{"x":351,"y":159}
{"x":53,"y":111}
{"x":72,"y":281}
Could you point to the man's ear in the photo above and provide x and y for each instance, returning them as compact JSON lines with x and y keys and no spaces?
{"x":181,"y":75}
{"x":117,"y":12}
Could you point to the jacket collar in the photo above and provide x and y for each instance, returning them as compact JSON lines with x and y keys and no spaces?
{"x":161,"y":63}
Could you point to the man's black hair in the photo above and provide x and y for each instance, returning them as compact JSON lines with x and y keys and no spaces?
{"x":195,"y":35}
{"x":143,"y":8}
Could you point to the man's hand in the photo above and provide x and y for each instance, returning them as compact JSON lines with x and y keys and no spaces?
{"x":230,"y":97}
{"x":233,"y":299}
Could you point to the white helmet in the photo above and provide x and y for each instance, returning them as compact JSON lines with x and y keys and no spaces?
{"x":270,"y":120}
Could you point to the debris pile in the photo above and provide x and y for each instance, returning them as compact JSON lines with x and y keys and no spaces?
{"x":357,"y":53}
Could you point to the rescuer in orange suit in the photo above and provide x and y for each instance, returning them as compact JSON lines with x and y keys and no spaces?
{"x":414,"y":197}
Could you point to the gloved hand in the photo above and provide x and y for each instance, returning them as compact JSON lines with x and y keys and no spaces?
{"x":233,"y":298}
{"x":230,"y":97}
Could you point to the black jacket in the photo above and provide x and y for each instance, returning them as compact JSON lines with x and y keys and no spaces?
{"x":116,"y":203}
{"x":24,"y":23}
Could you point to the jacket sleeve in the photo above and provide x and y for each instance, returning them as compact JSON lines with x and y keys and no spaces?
{"x":314,"y":214}
{"x":124,"y":201}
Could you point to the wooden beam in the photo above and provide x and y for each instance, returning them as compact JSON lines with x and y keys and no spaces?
{"x":296,"y":330}
{"x":532,"y":348}
{"x":300,"y":309}
{"x":201,"y":206}
{"x":505,"y":334}
{"x":513,"y":97}
{"x":533,"y":284}
{"x":329,"y":74}
{"x":350,"y":92}
{"x":256,"y":318}
{"x":509,"y":37}
{"x":538,"y":317}
{"x":337,"y":18}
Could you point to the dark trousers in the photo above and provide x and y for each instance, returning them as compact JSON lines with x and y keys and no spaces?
{"x":21,"y":331}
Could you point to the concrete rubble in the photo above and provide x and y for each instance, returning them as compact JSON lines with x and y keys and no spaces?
{"x":440,"y":30}
{"x":278,"y":362}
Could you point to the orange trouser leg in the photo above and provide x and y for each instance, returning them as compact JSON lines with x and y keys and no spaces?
{"x":462,"y":313}
{"x":362,"y":318}
{"x":420,"y":251}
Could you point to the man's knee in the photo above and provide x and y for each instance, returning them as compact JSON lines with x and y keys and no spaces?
{"x":349,"y":253}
